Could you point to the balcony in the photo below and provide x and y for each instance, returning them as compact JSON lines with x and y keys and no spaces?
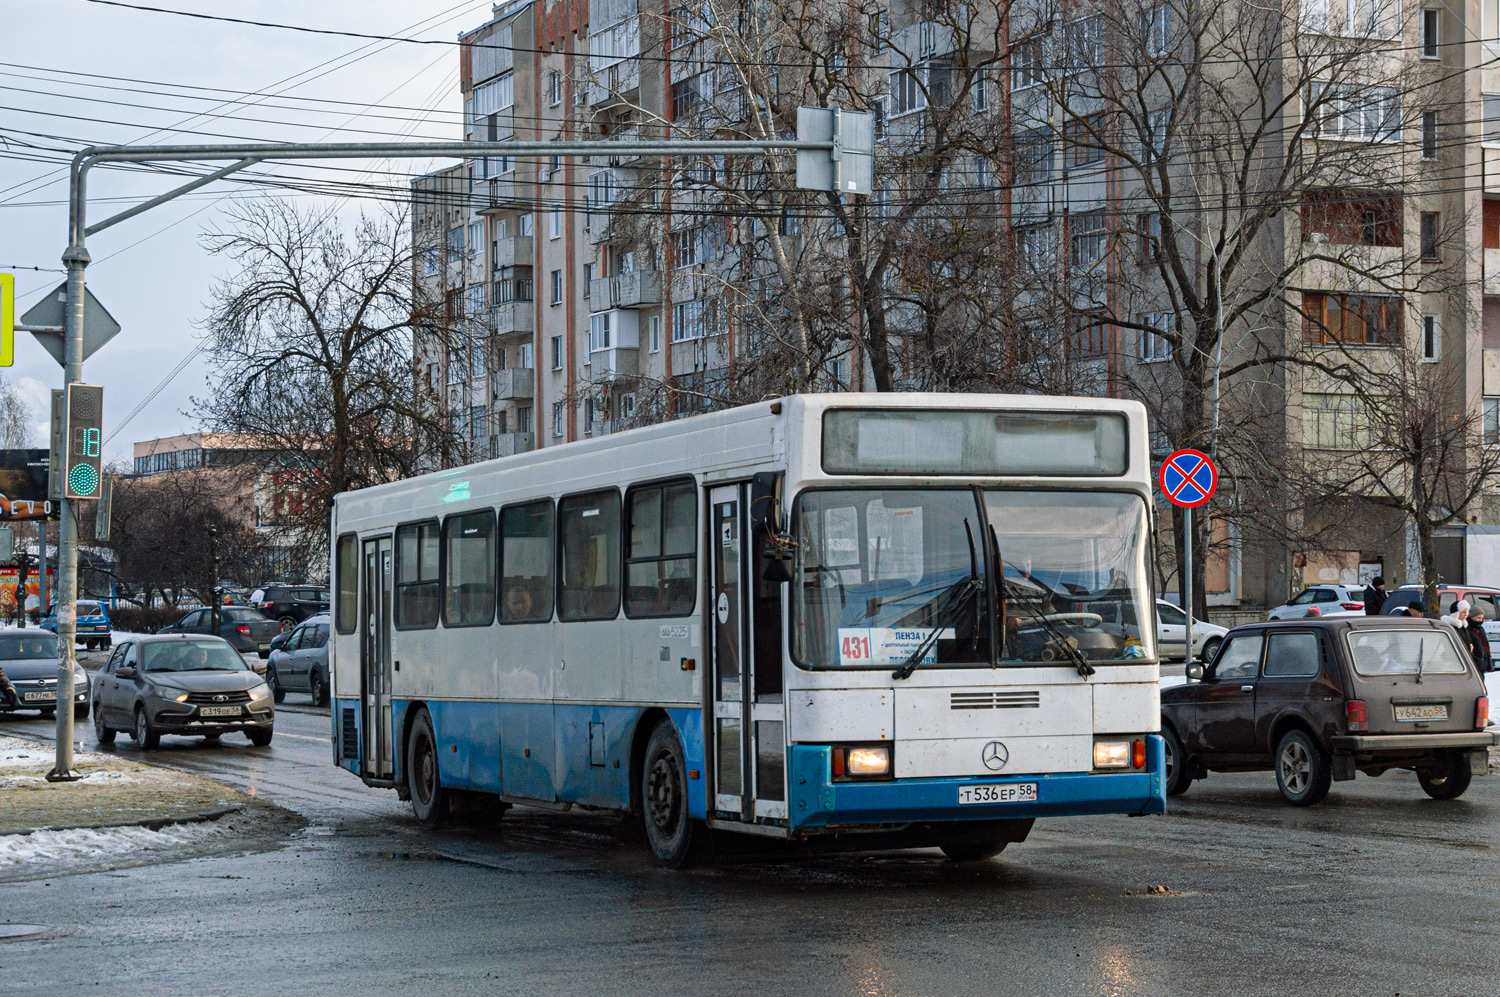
{"x":614,"y":364}
{"x":501,"y":193}
{"x":514,"y":251}
{"x":510,"y":444}
{"x":513,"y":316}
{"x":615,"y":84}
{"x":626,"y":290}
{"x":514,"y":384}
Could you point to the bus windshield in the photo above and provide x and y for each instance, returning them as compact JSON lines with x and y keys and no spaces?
{"x":879,"y":570}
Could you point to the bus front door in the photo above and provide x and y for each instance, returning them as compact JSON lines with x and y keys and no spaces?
{"x":747,"y":729}
{"x":375,"y":658}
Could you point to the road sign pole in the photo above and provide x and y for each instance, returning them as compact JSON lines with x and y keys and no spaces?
{"x":1187,"y":576}
{"x":76,"y":258}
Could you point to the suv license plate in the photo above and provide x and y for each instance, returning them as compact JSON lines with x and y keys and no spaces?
{"x":1008,"y":792}
{"x":218,"y":711}
{"x":40,"y":697}
{"x":1438,"y":711}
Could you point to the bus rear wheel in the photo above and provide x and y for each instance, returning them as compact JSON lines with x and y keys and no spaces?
{"x":976,"y":842}
{"x":674,"y":837}
{"x":429,"y":800}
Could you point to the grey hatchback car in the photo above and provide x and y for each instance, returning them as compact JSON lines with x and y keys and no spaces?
{"x":185,"y":684}
{"x":300,"y":664}
{"x":29,"y":658}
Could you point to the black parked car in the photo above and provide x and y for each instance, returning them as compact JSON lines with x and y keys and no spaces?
{"x":247,"y":629}
{"x":1318,"y":700}
{"x":289,"y":605}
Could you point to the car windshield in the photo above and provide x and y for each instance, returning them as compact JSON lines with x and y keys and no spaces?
{"x":879,"y":571}
{"x":89,"y":609}
{"x":22,"y":648}
{"x":1404,"y":652}
{"x":191,"y":656}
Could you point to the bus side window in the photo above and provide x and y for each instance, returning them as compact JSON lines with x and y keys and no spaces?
{"x":345,"y":612}
{"x":417,"y":576}
{"x":469,"y":570}
{"x":661,"y":550}
{"x":526,"y":563}
{"x":588,"y":548}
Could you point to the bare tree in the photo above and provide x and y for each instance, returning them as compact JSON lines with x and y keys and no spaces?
{"x":17,"y":421}
{"x":310,"y":341}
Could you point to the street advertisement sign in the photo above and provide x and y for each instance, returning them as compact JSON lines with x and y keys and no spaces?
{"x":23,"y":486}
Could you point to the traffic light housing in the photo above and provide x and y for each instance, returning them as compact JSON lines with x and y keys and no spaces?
{"x":83,"y":442}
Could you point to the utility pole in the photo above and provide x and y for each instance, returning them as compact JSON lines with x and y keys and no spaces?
{"x":844,"y":161}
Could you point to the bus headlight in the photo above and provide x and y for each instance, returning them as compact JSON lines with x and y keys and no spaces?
{"x":1111,"y":754}
{"x":862,"y":762}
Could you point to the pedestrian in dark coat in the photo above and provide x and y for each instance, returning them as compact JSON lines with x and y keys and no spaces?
{"x":8,"y":691}
{"x":1374,"y":596}
{"x":1479,"y":641}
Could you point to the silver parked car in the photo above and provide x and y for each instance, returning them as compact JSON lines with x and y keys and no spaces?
{"x":195,"y":686}
{"x":300,"y":663}
{"x":29,"y":658}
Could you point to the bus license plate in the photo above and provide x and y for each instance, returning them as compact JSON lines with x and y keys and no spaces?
{"x":40,"y":697}
{"x":218,"y":711}
{"x":1009,"y":792}
{"x":1437,"y":711}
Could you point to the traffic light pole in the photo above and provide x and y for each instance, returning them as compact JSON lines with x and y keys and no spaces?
{"x":76,"y":258}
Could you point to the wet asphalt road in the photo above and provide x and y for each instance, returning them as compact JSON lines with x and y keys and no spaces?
{"x":1376,"y":891}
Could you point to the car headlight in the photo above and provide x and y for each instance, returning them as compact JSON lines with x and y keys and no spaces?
{"x":260,"y":691}
{"x":861,"y":762}
{"x":172,"y":695}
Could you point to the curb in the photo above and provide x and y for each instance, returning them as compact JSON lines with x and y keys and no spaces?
{"x":149,"y":823}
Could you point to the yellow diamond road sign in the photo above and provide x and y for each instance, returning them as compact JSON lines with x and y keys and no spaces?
{"x":7,"y":319}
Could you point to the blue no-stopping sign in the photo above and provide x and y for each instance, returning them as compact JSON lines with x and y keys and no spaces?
{"x":1188,"y":478}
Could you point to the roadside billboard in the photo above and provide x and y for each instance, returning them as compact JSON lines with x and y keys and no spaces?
{"x":23,"y":486}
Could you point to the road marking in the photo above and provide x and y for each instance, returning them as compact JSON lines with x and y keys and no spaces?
{"x":306,"y":737}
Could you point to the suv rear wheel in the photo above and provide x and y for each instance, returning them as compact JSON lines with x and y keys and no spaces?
{"x":1178,"y":774}
{"x":1303,"y":769}
{"x":1447,"y":777}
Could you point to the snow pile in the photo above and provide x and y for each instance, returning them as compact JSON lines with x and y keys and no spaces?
{"x":89,"y":845}
{"x":15,"y":753}
{"x":108,"y":778}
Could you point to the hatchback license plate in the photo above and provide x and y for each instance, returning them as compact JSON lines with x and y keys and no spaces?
{"x":40,"y":697}
{"x":1008,"y":792}
{"x":218,"y":711}
{"x":1436,"y":711}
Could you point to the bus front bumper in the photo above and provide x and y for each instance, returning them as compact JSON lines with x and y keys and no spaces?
{"x":819,"y":802}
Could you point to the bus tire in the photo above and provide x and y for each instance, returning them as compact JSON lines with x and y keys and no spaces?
{"x":975,"y":842}
{"x":673,"y":835}
{"x":429,"y":800}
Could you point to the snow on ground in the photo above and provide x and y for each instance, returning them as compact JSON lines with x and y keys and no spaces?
{"x":16,"y":753}
{"x":87,"y":845}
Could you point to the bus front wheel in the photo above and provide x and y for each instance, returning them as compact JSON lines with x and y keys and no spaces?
{"x":429,"y":800}
{"x":674,"y":837}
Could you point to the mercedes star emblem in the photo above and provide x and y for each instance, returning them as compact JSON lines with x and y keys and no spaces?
{"x":995,"y":756}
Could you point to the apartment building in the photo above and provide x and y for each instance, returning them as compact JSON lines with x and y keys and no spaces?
{"x":1043,"y":175}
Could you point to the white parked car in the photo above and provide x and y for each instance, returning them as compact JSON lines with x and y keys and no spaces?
{"x":1321,"y":600}
{"x":1171,"y":634}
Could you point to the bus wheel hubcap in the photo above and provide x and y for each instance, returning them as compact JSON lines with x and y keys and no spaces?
{"x":663,"y":793}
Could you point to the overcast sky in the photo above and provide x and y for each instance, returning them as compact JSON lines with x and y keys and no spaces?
{"x":151,"y":272}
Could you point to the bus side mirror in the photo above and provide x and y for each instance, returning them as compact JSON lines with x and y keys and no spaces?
{"x":776,"y":566}
{"x":765,"y":502}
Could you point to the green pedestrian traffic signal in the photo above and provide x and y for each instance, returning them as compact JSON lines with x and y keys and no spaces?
{"x":83,"y":442}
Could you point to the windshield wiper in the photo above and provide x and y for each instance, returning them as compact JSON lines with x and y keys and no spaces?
{"x":970,"y":585}
{"x":1074,"y":656}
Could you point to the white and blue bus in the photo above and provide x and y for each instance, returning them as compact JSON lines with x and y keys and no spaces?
{"x":901,"y":619}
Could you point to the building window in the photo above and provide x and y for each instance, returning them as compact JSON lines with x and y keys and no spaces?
{"x":469,"y":570}
{"x":653,"y":325}
{"x":659,"y":565}
{"x":1148,"y":237}
{"x":527,"y":359}
{"x":1335,"y":422}
{"x":554,"y":88}
{"x":599,"y":332}
{"x":1082,"y":138}
{"x":1430,"y":235}
{"x":432,"y":261}
{"x":1155,"y":346}
{"x":496,"y":95}
{"x":1432,"y":337}
{"x":685,"y":247}
{"x":1027,"y":64}
{"x":1156,"y":30}
{"x":684,"y":98}
{"x":1088,"y":336}
{"x":1492,"y":419}
{"x":557,"y":353}
{"x":1036,"y":248}
{"x":979,"y":92}
{"x":523,"y":419}
{"x":559,"y":419}
{"x":588,"y":278}
{"x":1429,"y":34}
{"x":688,"y":321}
{"x":907,"y":92}
{"x":477,"y":423}
{"x":1348,"y":219}
{"x":455,"y":246}
{"x":1089,"y":240}
{"x":1085,"y":44}
{"x":588,"y":556}
{"x":557,"y":287}
{"x":1350,"y":319}
{"x":1429,"y":134}
{"x":1154,"y":146}
{"x":627,"y":406}
{"x":1357,"y":113}
{"x":417,"y":576}
{"x":526,"y":563}
{"x":554,"y":223}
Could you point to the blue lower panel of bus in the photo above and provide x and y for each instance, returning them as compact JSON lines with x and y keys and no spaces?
{"x":544,"y":751}
{"x":817,"y":801}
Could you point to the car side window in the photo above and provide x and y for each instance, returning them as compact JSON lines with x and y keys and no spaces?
{"x":1171,"y":616}
{"x":1239,"y":659}
{"x":322,"y":637}
{"x":115,"y":659}
{"x":195,"y":618}
{"x":1302,"y":598}
{"x":294,"y":642}
{"x":1293,"y":656}
{"x":130,"y":656}
{"x":1446,"y":601}
{"x":1483,"y":602}
{"x":1325,"y":595}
